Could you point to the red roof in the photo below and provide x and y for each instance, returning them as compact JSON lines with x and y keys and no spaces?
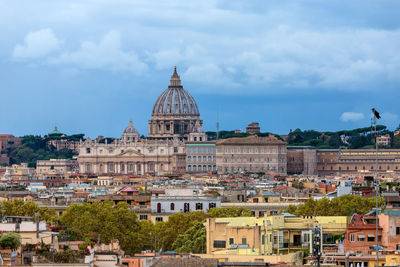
{"x":128,"y":189}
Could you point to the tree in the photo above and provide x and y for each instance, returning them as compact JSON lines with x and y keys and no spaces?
{"x":335,"y":141}
{"x":10,"y":240}
{"x":396,"y":141}
{"x":228,"y":212}
{"x":192,"y":241}
{"x":345,"y":205}
{"x":104,"y":221}
{"x":18,"y":207}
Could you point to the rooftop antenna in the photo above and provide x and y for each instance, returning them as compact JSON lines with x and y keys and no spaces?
{"x":217,"y":124}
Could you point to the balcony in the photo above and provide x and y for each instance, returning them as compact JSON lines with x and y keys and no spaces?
{"x":141,"y":208}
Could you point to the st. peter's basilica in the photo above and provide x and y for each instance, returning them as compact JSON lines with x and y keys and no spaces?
{"x":175,"y":118}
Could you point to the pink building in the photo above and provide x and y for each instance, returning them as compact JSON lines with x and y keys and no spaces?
{"x":390,"y":223}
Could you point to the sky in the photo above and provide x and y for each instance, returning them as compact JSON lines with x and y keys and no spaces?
{"x":91,"y":66}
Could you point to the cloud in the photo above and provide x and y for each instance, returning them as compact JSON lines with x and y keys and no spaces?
{"x":260,"y":47}
{"x":104,"y":55}
{"x":351,"y":116}
{"x":37,"y":44}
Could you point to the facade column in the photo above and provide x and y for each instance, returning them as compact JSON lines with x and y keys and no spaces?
{"x":106,"y":167}
{"x":135,"y":168}
{"x":156,"y":168}
{"x":118,"y":167}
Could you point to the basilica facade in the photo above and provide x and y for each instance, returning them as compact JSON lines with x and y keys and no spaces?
{"x":175,"y":119}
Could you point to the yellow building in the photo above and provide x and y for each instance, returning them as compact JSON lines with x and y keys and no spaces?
{"x":265,"y":196}
{"x":269,"y":235}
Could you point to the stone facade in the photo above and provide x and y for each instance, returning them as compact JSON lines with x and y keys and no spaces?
{"x":8,"y":141}
{"x":55,"y":166}
{"x":200,"y":157}
{"x":357,"y":161}
{"x":135,"y":158}
{"x":253,"y":128}
{"x":302,"y":160}
{"x":251,"y":154}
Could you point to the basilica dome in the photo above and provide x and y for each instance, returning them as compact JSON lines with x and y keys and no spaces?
{"x":175,"y":100}
{"x":175,"y":112}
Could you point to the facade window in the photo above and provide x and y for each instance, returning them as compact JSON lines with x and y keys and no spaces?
{"x":186,"y":207}
{"x":209,"y":158}
{"x":371,"y":238}
{"x":397,"y":230}
{"x":88,"y":150}
{"x":88,"y":168}
{"x":189,"y":158}
{"x":199,"y":206}
{"x":159,"y":219}
{"x":194,"y":168}
{"x":360,"y":237}
{"x":352,"y":238}
{"x":244,"y":241}
{"x":219,"y":244}
{"x":204,"y":168}
{"x":194,"y":158}
{"x":172,"y":206}
{"x":212,"y":205}
{"x":143,"y":217}
{"x":263,"y":240}
{"x":189,"y":167}
{"x":158,"y":207}
{"x":111,"y":167}
{"x":231,"y":241}
{"x":130,"y":167}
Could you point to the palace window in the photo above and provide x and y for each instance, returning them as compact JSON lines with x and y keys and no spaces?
{"x":352,"y":237}
{"x":88,"y":150}
{"x":143,"y":217}
{"x":159,"y":219}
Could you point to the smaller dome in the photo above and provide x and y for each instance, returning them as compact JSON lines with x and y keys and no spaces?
{"x":131,"y":128}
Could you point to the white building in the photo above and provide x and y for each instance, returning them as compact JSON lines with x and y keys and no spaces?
{"x":183,"y":200}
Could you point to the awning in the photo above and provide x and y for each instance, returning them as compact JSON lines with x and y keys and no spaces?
{"x":371,"y":235}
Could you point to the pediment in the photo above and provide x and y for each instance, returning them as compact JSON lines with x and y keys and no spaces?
{"x":131,"y":152}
